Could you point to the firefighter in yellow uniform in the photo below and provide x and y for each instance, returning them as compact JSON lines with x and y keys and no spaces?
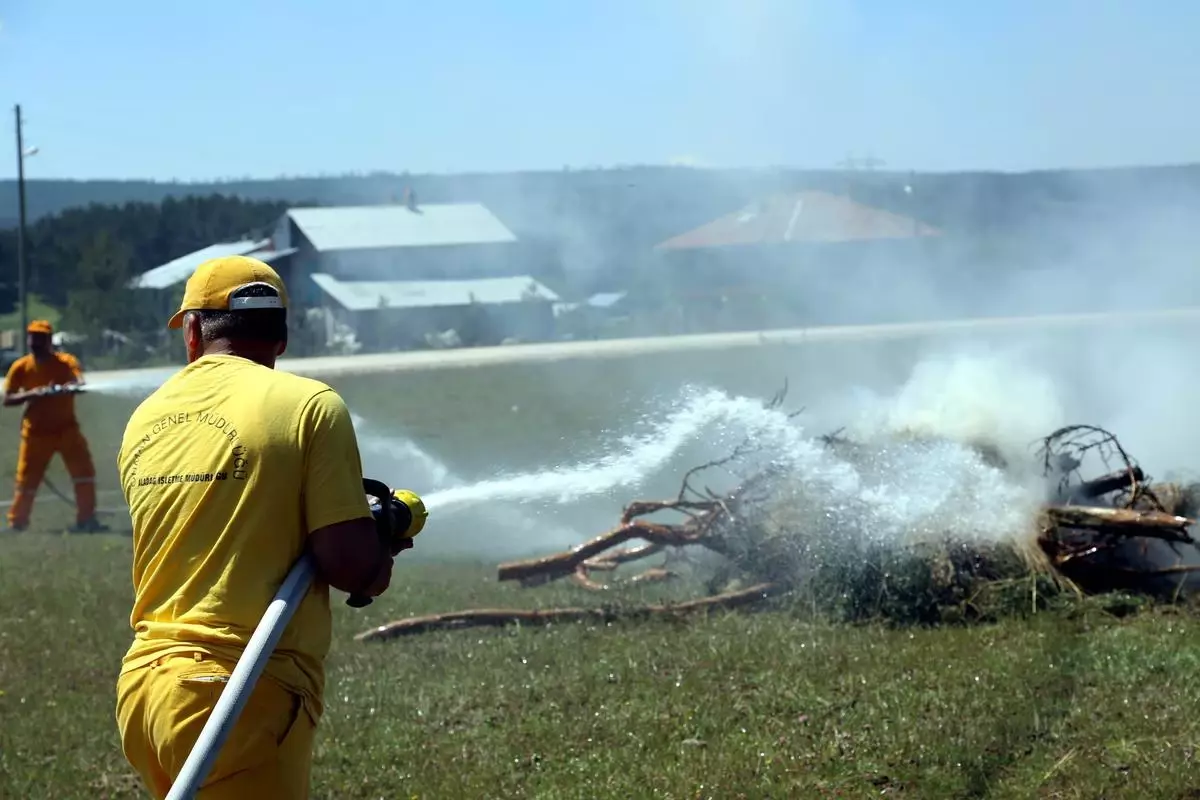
{"x":232,"y":469}
{"x":49,"y":427}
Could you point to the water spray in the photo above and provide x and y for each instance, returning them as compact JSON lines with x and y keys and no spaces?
{"x":140,"y":384}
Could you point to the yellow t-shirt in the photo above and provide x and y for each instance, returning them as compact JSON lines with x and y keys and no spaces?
{"x":227,"y":468}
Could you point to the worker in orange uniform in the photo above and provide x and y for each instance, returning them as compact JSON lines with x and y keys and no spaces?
{"x":49,"y":427}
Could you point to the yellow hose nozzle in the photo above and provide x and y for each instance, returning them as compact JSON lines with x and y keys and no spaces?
{"x":416,"y":510}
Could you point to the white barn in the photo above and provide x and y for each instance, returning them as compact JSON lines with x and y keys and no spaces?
{"x":395,"y":272}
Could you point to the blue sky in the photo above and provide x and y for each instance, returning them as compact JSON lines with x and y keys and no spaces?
{"x":263,"y":88}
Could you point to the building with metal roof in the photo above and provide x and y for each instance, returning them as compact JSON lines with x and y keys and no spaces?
{"x":397,"y":226}
{"x":166,"y":280}
{"x":791,"y":259}
{"x":176,"y":271}
{"x":599,"y":300}
{"x":382,"y":242}
{"x":390,"y":314}
{"x":371,"y":295}
{"x":409,"y":256}
{"x":397,"y":242}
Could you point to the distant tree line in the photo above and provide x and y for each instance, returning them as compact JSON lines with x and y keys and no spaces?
{"x":651,"y":203}
{"x":80,"y":261}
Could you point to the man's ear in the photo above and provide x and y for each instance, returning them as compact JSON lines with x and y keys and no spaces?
{"x":192,"y":337}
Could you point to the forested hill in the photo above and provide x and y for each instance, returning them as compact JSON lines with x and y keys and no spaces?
{"x":644,"y":205}
{"x":81,"y":260}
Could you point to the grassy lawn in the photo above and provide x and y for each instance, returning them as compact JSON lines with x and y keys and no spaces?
{"x":773,"y":704}
{"x":1074,"y":703}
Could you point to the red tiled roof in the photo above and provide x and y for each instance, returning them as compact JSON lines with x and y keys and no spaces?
{"x":809,"y":216}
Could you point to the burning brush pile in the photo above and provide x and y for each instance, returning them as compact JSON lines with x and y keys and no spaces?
{"x":777,"y":535}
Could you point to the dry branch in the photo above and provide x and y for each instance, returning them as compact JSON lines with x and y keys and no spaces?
{"x":1113,"y":482}
{"x":560,"y":565}
{"x":1123,"y":522}
{"x":584,"y":581}
{"x":652,"y":575}
{"x":706,"y":514}
{"x":613,"y":560}
{"x":496,"y":617}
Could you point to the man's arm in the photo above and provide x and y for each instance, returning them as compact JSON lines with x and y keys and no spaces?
{"x":342,"y":537}
{"x":76,"y":370}
{"x":19,"y":398}
{"x":14,"y":395}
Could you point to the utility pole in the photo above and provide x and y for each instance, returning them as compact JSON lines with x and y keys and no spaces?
{"x":910,"y":189}
{"x":21,"y":278}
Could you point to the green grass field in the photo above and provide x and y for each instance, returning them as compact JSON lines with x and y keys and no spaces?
{"x":1071,"y":703}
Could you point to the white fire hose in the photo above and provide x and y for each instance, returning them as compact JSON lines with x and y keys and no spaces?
{"x":266,"y":635}
{"x":241,"y":681}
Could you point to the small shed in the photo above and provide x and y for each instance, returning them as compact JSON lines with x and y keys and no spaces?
{"x":396,"y":315}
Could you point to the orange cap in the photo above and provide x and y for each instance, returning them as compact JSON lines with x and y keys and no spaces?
{"x":40,"y":326}
{"x":215,"y":280}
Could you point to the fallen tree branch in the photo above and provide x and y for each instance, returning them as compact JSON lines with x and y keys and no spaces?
{"x":583,"y":580}
{"x":652,"y":575}
{"x":1123,"y":522}
{"x":497,"y":617}
{"x":703,"y":526}
{"x":625,"y":556}
{"x":1116,"y":481}
{"x":560,"y":565}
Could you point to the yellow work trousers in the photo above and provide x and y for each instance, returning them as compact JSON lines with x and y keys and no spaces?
{"x":34,"y":456}
{"x":161,"y":709}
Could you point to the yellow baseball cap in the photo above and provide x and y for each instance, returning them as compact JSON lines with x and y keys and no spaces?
{"x":215,"y":280}
{"x":40,"y":326}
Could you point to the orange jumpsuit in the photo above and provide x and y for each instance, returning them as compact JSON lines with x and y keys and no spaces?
{"x":50,"y":427}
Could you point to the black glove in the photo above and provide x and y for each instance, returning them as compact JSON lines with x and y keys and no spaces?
{"x":396,"y":521}
{"x":392,"y":519}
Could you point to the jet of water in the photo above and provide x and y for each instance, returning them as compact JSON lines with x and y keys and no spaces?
{"x":402,"y":463}
{"x":891,"y":489}
{"x":135,"y":383}
{"x":386,"y":455}
{"x":638,"y":458}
